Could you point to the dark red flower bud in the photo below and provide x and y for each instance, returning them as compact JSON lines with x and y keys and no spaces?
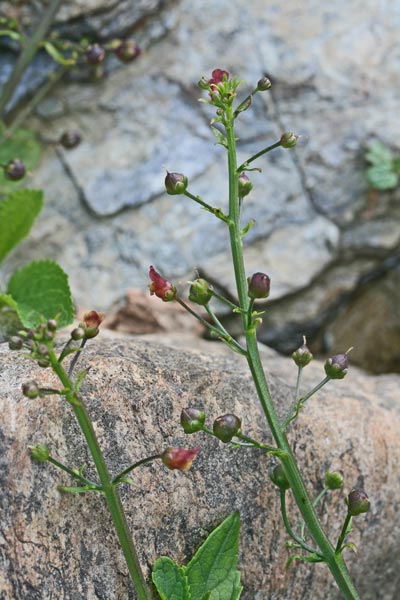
{"x":95,"y":54}
{"x":200,"y":292}
{"x":179,"y":458}
{"x":244,"y":185}
{"x":70,"y":139}
{"x":278,"y":477}
{"x":30,"y":389}
{"x":226,"y":426}
{"x":336,"y":367}
{"x":15,"y":342}
{"x":218,"y":76}
{"x":289,"y":140}
{"x":333,"y":480}
{"x":175,"y":183}
{"x":161,"y":287}
{"x":302,"y":356}
{"x":92,"y":321}
{"x":192,"y":419}
{"x":263,"y":84}
{"x":14,"y":170}
{"x":127,"y":51}
{"x":357,"y":502}
{"x":52,"y":325}
{"x":259,"y":285}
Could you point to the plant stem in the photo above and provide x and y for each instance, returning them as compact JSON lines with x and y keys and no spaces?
{"x":291,"y":470}
{"x":143,"y":461}
{"x":343,"y":533}
{"x":289,"y":529}
{"x":27,"y":54}
{"x":301,"y":401}
{"x":244,"y":165}
{"x":76,"y":476}
{"x":109,"y":490}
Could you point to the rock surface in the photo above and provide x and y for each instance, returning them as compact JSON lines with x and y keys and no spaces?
{"x":334,"y":72}
{"x":134,"y":392}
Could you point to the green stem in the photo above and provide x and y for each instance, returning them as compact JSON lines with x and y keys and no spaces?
{"x":300,"y":493}
{"x":343,"y":533}
{"x":27,"y":54}
{"x":298,"y":382}
{"x":225,"y":301}
{"x":215,"y":211}
{"x":315,"y":502}
{"x":73,"y":474}
{"x":300,"y":402}
{"x":289,"y":529}
{"x":244,"y":165}
{"x":109,"y":490}
{"x":143,"y":461}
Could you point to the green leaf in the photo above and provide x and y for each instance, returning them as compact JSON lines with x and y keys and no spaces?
{"x":7,"y":300}
{"x":382,"y":177}
{"x":17,"y":214}
{"x":41,"y":289}
{"x":220,"y":137}
{"x":170,"y":580}
{"x":378,"y":153}
{"x":21,"y":144}
{"x":213,"y":567}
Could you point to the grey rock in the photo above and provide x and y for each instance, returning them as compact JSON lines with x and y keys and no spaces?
{"x":134,"y":393}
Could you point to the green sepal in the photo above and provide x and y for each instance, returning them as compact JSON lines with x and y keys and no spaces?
{"x":57,"y":56}
{"x":311,"y":558}
{"x":246,"y":228}
{"x":170,"y":580}
{"x":78,"y":490}
{"x":80,"y":377}
{"x":221,"y":139}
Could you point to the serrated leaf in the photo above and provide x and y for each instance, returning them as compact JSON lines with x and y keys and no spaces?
{"x":41,"y":289}
{"x":382,"y":177}
{"x":170,"y":580}
{"x":213,"y":567}
{"x":7,"y":300}
{"x":21,"y":144}
{"x":378,"y":153}
{"x":18,"y":212}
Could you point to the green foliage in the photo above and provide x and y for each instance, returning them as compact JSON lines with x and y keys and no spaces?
{"x":41,"y":289}
{"x":21,"y":144}
{"x":18,"y":212}
{"x":383,"y":174}
{"x":211,"y":574}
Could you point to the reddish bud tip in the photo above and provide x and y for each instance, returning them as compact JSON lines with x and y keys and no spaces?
{"x":14,"y":170}
{"x":259,"y":285}
{"x":244,"y":185}
{"x":179,"y":458}
{"x":218,"y":76}
{"x":95,"y":54}
{"x":161,"y":287}
{"x":70,"y":139}
{"x":357,"y":502}
{"x":127,"y":51}
{"x":175,"y":183}
{"x":226,"y":426}
{"x":336,"y":367}
{"x":192,"y":419}
{"x":302,"y":356}
{"x":92,"y":321}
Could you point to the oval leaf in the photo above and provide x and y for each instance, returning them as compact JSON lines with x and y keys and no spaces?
{"x":17,"y":214}
{"x":170,"y":580}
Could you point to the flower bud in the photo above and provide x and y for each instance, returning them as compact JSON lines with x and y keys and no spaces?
{"x":52,"y":325}
{"x":263,"y":84}
{"x":43,"y":363}
{"x":357,"y":502}
{"x":333,"y":480}
{"x":161,"y":287}
{"x":95,"y":54}
{"x":226,"y":426}
{"x":175,"y":183}
{"x":204,"y":83}
{"x":278,"y":477}
{"x":336,"y":367}
{"x":289,"y":140}
{"x":70,"y":139}
{"x":192,"y":419}
{"x":179,"y":458}
{"x":15,"y":342}
{"x":78,"y":333}
{"x":30,"y":389}
{"x":302,"y":356}
{"x":91,"y":322}
{"x":40,"y":452}
{"x":259,"y":285}
{"x":244,"y":185}
{"x":14,"y":170}
{"x":42,"y":350}
{"x":127,"y":51}
{"x":200,"y":292}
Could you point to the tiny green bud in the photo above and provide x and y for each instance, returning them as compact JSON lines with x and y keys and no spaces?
{"x":278,"y":477}
{"x":40,"y":452}
{"x":226,"y":426}
{"x":289,"y":140}
{"x":357,"y":502}
{"x":78,"y":333}
{"x":175,"y":183}
{"x":204,"y":83}
{"x":263,"y":84}
{"x":192,"y":419}
{"x":336,"y":367}
{"x":302,"y":356}
{"x":259,"y":285}
{"x":333,"y":480}
{"x":30,"y":389}
{"x":244,"y":185}
{"x":200,"y":292}
{"x":15,"y":342}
